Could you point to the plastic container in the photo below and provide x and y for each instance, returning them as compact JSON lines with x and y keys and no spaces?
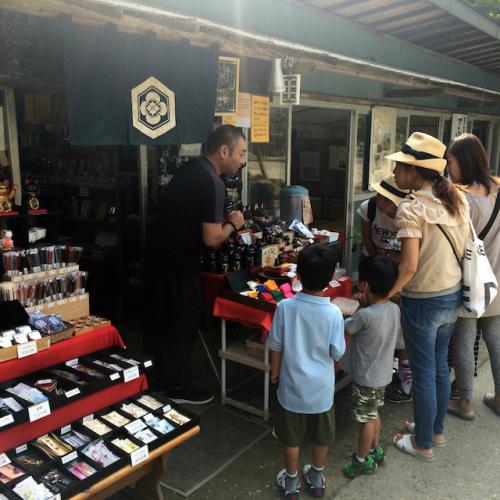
{"x":291,"y":202}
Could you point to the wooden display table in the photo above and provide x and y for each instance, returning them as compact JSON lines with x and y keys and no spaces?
{"x":145,"y":476}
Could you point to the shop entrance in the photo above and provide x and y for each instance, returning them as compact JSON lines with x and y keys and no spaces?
{"x":319,"y":162}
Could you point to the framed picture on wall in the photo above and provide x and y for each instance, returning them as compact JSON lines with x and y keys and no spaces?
{"x":309,"y":166}
{"x":228,"y":83}
{"x":383,"y":136}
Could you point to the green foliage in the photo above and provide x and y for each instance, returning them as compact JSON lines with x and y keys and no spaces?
{"x":490,"y":8}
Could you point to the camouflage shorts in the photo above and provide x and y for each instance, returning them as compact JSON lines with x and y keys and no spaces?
{"x":366,"y":402}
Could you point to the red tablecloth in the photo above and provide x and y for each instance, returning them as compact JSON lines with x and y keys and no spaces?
{"x":100,"y":338}
{"x":243,"y":314}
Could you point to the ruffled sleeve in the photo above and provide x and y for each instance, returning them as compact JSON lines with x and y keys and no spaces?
{"x":409,"y":219}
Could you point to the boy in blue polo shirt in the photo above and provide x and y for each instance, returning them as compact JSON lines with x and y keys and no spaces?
{"x":307,"y":334}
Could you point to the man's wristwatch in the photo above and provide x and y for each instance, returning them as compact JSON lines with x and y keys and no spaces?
{"x":232,"y":224}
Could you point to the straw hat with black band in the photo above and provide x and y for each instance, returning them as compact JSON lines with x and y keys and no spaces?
{"x":389,"y":189}
{"x":422,"y":150}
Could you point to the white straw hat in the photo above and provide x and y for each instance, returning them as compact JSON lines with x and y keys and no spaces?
{"x":422,"y":150}
{"x":389,"y":189}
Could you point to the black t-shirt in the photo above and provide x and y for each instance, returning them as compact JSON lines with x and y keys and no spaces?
{"x":196,"y":194}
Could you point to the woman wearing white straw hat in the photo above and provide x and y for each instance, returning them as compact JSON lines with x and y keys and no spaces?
{"x":433,"y":228}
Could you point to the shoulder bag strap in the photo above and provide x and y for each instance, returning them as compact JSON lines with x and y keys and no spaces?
{"x":494,"y":214}
{"x":451,"y":244}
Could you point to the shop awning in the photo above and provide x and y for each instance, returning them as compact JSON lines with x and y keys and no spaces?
{"x":139,"y":18}
{"x":447,"y":27}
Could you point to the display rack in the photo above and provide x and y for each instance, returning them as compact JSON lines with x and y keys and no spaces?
{"x":97,"y":398}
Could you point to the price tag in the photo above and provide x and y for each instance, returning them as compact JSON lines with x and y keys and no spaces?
{"x":148,"y":417}
{"x":88,"y":418}
{"x":72,"y":299}
{"x":72,"y":392}
{"x":114,"y":376}
{"x":8,"y":419}
{"x":148,"y":363}
{"x":72,"y":362}
{"x":131,"y":373}
{"x":39,"y":411}
{"x":52,"y":272}
{"x":22,"y":448}
{"x":166,"y":408}
{"x":70,"y":456}
{"x":65,"y":429}
{"x":4,"y":459}
{"x":82,"y":297}
{"x":26,"y":349}
{"x":135,"y":426}
{"x":50,"y":305}
{"x":138,"y":456}
{"x":62,"y":302}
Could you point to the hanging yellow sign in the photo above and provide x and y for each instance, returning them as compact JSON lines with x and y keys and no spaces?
{"x":260,"y":118}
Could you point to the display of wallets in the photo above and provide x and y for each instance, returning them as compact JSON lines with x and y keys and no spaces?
{"x":80,"y":469}
{"x":88,"y":370}
{"x":116,"y":419}
{"x":133,"y":410}
{"x":160,"y":425}
{"x":67,"y":375}
{"x":97,"y":426}
{"x":28,"y":393}
{"x":176,"y":417}
{"x":110,"y":366}
{"x":125,"y":444}
{"x":9,"y":405}
{"x":30,"y":460}
{"x":126,"y":360}
{"x":75,"y":439}
{"x":149,"y":402}
{"x":53,"y":446}
{"x":145,"y":436}
{"x":100,"y":453}
{"x":29,"y":489}
{"x":8,"y":472}
{"x":56,"y":481}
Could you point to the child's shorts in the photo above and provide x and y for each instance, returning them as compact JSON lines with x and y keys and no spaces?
{"x":366,"y":402}
{"x":292,"y":428}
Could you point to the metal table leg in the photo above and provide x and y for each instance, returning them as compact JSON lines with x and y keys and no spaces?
{"x":223,"y":362}
{"x":209,"y":356}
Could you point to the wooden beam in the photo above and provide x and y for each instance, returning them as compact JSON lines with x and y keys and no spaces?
{"x":398,"y":93}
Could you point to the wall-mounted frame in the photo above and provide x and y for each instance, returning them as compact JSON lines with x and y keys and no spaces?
{"x":383,"y":132}
{"x":228,"y":84}
{"x":309,"y":166}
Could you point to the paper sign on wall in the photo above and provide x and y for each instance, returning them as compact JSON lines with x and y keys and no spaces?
{"x":260,"y":118}
{"x":244,"y":115}
{"x":229,"y":120}
{"x":458,"y":124}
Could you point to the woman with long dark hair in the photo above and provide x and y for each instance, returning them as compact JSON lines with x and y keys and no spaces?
{"x":433,"y":226}
{"x":468,"y":166}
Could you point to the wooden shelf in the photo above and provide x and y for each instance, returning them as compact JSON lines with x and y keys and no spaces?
{"x":237,"y":352}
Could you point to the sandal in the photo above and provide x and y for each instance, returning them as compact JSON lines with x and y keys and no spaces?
{"x":489,"y":401}
{"x":406,"y":446}
{"x":463,"y":414}
{"x":410,"y":427}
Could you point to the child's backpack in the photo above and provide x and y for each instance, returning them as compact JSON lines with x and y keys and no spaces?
{"x":372,"y":209}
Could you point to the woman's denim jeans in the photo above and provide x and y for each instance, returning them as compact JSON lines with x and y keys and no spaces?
{"x":427,"y":328}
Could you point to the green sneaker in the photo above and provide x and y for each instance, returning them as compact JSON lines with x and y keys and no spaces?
{"x":378,"y":455}
{"x":355,"y":468}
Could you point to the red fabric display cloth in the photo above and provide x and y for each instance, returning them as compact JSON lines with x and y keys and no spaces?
{"x":96,"y":340}
{"x":243,"y":314}
{"x":100,"y":338}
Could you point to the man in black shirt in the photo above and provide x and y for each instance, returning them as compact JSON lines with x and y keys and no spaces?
{"x":192,"y":217}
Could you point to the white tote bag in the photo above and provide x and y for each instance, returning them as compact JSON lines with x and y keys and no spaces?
{"x":480,"y":285}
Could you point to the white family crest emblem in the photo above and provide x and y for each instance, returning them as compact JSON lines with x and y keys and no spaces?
{"x":153,"y":108}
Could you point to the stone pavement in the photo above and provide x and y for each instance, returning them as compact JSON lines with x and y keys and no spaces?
{"x":468,"y":468}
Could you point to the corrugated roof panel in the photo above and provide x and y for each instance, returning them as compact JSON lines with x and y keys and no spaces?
{"x":448,"y":29}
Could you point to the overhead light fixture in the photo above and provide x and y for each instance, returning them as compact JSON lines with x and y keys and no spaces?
{"x":276,"y":81}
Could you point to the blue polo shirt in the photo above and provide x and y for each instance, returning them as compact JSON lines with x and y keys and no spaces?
{"x":309,"y":332}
